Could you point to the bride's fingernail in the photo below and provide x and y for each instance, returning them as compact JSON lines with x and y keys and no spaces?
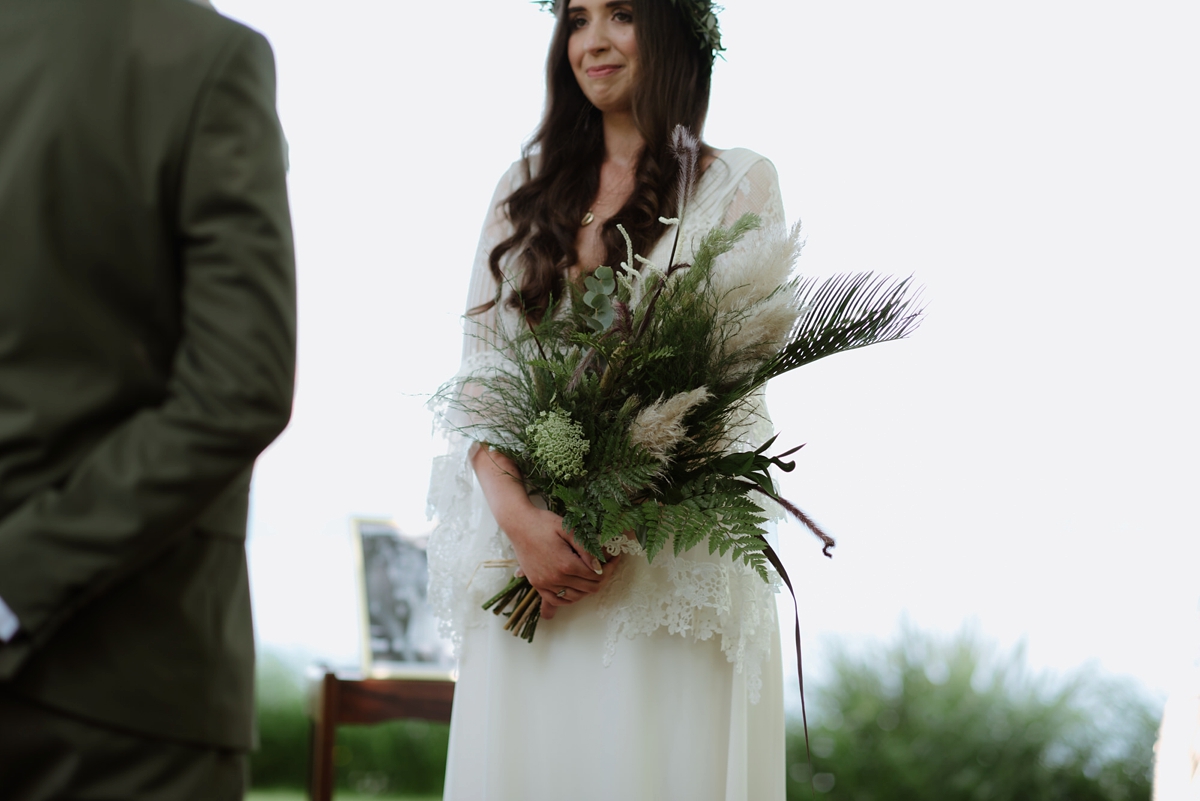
{"x":598,"y":568}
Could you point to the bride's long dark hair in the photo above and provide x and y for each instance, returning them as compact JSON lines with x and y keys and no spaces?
{"x":546,"y":211}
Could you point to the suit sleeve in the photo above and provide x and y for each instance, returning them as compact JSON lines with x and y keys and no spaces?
{"x":230,"y":389}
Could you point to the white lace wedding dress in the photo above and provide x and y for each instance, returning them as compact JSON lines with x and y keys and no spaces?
{"x":666,"y":685}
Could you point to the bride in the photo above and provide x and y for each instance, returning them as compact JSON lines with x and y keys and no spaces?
{"x":645,"y":681}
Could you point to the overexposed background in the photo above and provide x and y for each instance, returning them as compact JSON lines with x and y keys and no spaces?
{"x":1025,"y":464}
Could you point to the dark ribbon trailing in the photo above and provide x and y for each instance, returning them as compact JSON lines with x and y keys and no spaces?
{"x":754,"y":466}
{"x":773,"y":558}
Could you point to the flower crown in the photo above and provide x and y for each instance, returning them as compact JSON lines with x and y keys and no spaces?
{"x":701,"y":13}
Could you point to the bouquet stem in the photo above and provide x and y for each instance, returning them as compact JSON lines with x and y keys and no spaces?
{"x":526,"y":607}
{"x":518,"y":614}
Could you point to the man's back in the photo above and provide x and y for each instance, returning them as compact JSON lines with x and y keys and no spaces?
{"x":146,"y":355}
{"x":96,"y":98}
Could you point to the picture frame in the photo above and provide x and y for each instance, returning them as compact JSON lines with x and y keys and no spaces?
{"x":398,"y":631}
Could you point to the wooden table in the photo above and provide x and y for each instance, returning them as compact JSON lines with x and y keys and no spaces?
{"x":338,"y":701}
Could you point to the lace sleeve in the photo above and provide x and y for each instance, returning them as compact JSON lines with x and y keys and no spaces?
{"x":484,"y":288}
{"x":480,"y":346}
{"x":758,"y":191}
{"x":466,"y":536}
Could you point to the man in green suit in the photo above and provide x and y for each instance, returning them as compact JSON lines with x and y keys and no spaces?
{"x":147,"y":341}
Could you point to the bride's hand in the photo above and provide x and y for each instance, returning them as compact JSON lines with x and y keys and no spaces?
{"x":549,"y":556}
{"x":554,"y":562}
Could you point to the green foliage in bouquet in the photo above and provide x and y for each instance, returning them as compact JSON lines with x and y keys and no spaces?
{"x":627,"y":405}
{"x":622,"y":406}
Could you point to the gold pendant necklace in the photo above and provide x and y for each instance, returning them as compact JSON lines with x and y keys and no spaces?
{"x":587,"y":218}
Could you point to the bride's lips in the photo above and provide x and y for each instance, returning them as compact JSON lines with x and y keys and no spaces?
{"x":603,"y":71}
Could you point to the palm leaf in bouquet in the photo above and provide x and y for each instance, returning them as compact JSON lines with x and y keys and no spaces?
{"x":842,"y":313}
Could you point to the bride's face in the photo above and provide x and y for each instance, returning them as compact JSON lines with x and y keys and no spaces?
{"x":603,"y":51}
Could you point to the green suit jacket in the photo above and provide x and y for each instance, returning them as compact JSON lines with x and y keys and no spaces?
{"x":147,"y":352}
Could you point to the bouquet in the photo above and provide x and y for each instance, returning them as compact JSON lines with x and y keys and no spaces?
{"x":622,"y":406}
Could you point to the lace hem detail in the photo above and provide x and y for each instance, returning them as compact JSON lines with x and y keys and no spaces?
{"x":695,"y":594}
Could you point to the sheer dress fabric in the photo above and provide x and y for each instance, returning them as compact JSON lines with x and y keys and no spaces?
{"x":667,"y":684}
{"x":1177,"y":750}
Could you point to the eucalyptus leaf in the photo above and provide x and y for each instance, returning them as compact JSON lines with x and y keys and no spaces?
{"x":601,"y":320}
{"x":601,"y":281}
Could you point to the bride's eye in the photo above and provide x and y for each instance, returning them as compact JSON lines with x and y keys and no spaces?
{"x":623,"y":15}
{"x":576,"y":22}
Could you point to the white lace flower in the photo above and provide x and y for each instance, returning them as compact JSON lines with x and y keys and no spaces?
{"x":558,"y":444}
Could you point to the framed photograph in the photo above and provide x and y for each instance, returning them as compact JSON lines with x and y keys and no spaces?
{"x":399,"y":632}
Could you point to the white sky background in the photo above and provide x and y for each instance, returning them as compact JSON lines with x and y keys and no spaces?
{"x":1025,"y":463}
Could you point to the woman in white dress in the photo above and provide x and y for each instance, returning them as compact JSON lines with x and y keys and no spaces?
{"x":645,"y":681}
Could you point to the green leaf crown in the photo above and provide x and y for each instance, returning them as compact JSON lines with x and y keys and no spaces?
{"x":701,"y":13}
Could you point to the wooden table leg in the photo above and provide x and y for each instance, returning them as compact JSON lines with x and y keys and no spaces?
{"x":324,"y":732}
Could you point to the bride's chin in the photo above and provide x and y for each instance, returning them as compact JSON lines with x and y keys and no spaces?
{"x":614,"y":108}
{"x":608,"y":102}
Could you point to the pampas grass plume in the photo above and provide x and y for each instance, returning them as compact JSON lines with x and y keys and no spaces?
{"x":757,"y":268}
{"x":658,"y":428}
{"x":756,"y":300}
{"x":760,"y":334}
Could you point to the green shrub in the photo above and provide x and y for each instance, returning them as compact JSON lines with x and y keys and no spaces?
{"x":403,"y":757}
{"x":948,"y":721}
{"x":283,"y":726}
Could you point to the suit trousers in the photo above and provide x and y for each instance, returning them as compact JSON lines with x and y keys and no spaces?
{"x":50,"y":756}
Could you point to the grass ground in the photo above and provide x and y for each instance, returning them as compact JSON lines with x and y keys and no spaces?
{"x":300,"y":795}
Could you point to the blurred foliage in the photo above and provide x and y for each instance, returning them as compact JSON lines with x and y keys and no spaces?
{"x":952,"y":721}
{"x":298,"y":794}
{"x":403,"y":757}
{"x":918,"y":720}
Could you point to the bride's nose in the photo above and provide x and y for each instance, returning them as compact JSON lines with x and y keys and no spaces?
{"x":596,"y":39}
